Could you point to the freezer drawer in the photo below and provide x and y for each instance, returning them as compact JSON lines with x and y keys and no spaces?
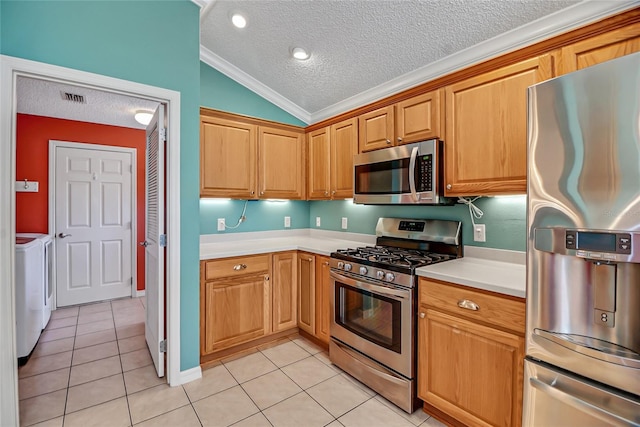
{"x":555,"y":398}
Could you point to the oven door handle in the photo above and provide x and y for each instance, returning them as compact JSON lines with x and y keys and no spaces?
{"x":377,"y":289}
{"x":412,"y":174}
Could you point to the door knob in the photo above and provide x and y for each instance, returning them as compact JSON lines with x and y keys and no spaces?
{"x":63,"y":235}
{"x":145,"y":243}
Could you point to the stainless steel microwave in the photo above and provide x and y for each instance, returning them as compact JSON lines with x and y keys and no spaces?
{"x":406,"y":174}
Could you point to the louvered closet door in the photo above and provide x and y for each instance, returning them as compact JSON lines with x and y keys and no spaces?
{"x":155,"y":252}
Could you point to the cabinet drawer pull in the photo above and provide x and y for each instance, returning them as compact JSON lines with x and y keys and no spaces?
{"x":468,"y":304}
{"x":422,"y":315}
{"x":239,"y":267}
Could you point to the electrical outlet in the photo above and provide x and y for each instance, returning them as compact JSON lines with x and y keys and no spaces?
{"x":479,"y":233}
{"x":318,"y":222}
{"x":221,"y":224}
{"x":287,"y":221}
{"x":344,"y":222}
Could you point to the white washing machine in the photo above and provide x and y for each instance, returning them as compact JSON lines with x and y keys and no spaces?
{"x":29,"y":269}
{"x":48,"y":270}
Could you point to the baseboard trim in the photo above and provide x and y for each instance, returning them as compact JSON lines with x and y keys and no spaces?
{"x":139,"y":293}
{"x":189,"y":375}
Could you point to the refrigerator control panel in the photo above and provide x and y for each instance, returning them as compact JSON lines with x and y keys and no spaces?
{"x":594,"y":242}
{"x":605,"y":245}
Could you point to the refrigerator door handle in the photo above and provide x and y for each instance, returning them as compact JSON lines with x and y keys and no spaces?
{"x":580,"y":404}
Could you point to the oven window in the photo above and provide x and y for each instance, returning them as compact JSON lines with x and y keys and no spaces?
{"x":373,"y":317}
{"x":390,"y":177}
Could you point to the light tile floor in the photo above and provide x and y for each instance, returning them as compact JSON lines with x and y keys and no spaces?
{"x":92,"y":367}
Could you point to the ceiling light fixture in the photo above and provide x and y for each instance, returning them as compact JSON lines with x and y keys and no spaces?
{"x":143,"y":117}
{"x":299,"y":53}
{"x":238,"y":20}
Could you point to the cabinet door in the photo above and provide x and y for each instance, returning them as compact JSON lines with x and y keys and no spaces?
{"x":344,"y":145}
{"x":227,"y":158}
{"x":604,"y":47}
{"x":323,"y":298}
{"x":235,"y":311}
{"x":318,"y":164}
{"x":284,"y":289}
{"x":469,"y":371}
{"x":306,"y":292}
{"x":486,"y":129}
{"x":376,"y":129}
{"x":280,"y":164}
{"x":420,"y":118}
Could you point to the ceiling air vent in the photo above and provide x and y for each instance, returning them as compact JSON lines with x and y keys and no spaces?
{"x":73,"y":97}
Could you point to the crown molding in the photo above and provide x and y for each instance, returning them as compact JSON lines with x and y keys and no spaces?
{"x":252,"y":84}
{"x":578,"y":15}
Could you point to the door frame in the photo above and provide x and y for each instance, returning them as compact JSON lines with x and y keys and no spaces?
{"x":10,"y":69}
{"x":53,"y":144}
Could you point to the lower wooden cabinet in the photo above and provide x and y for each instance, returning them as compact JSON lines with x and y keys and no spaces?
{"x":307,"y":292}
{"x":234,"y":310}
{"x":470,"y":362}
{"x":285,"y":291}
{"x":323,"y":298}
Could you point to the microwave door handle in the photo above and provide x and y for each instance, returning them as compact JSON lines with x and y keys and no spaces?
{"x":412,"y":174}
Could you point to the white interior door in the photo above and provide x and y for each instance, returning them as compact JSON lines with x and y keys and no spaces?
{"x":93,"y":214}
{"x":154,"y":239}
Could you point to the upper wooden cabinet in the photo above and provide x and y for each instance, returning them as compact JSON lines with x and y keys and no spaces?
{"x":486,"y":129}
{"x":227,"y":158}
{"x":330,"y":160}
{"x":280,"y":164}
{"x":415,"y":119}
{"x":601,"y":48}
{"x":248,"y":158}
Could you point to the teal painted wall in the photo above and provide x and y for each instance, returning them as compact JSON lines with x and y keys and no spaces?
{"x":150,"y":42}
{"x":505,"y":218}
{"x":219,"y":92}
{"x":260,"y":215}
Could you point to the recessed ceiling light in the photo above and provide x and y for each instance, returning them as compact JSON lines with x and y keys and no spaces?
{"x":300,"y":53}
{"x":238,"y":20}
{"x":143,"y":117}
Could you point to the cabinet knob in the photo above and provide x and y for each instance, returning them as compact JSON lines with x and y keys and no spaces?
{"x":253,"y":192}
{"x":266,"y":277}
{"x":239,"y":267}
{"x":388,"y":141}
{"x":468,"y":305}
{"x":399,"y":139}
{"x":326,"y":193}
{"x":422,"y":315}
{"x":326,"y":263}
{"x":333,"y":193}
{"x":448,"y":186}
{"x":262,"y":193}
{"x":310,"y":259}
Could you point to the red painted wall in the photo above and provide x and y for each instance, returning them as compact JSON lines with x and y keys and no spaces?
{"x":32,"y":162}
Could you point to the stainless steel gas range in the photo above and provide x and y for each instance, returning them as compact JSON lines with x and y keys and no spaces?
{"x":373,"y":303}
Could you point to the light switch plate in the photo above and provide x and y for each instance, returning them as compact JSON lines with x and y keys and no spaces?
{"x":318,"y":222}
{"x":344,"y":223}
{"x":221,"y":224}
{"x":287,"y":221}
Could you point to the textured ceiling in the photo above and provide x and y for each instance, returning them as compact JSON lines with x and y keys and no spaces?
{"x":45,"y":98}
{"x":355,"y":45}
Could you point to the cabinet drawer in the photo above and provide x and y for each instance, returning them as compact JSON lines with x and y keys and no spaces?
{"x":232,"y":267}
{"x":503,"y":312}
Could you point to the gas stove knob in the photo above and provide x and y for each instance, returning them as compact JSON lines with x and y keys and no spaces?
{"x":340,"y":265}
{"x":363,"y":270}
{"x":347,"y":266}
{"x":380,"y":274}
{"x":389,"y":277}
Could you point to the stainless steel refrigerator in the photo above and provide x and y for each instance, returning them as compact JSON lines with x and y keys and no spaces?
{"x":583,"y":250}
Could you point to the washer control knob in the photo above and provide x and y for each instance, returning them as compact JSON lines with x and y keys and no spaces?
{"x":380,"y":274}
{"x":347,"y":267}
{"x":363,"y":270}
{"x":340,"y":265}
{"x":390,"y":277}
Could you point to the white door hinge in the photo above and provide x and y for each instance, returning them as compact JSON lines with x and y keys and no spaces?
{"x":163,"y":240}
{"x":163,"y":134}
{"x":163,"y":346}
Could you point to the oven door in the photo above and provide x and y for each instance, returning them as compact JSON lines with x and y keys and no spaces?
{"x":375,"y":320}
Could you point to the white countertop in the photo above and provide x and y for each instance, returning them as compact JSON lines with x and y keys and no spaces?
{"x":482,"y":268}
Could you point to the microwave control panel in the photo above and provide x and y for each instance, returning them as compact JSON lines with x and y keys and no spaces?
{"x":598,"y":244}
{"x":424,"y":170}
